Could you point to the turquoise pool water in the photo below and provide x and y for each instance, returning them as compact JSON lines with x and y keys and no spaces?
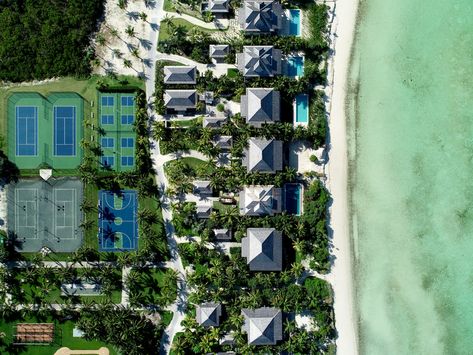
{"x":295,"y":66}
{"x":293,"y":198}
{"x":411,"y":157}
{"x":302,"y":108}
{"x":295,"y":22}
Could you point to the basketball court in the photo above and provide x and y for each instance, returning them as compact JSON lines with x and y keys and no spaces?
{"x":118,"y":225}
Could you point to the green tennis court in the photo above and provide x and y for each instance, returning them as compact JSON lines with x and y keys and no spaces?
{"x":116,"y":118}
{"x":45,"y":130}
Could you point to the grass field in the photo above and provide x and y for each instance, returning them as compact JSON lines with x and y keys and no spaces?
{"x":164,"y":33}
{"x":64,"y":338}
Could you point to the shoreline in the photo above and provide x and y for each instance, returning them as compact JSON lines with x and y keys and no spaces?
{"x":342,"y":36}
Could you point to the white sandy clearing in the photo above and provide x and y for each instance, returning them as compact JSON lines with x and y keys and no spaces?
{"x":337,"y":170}
{"x":118,"y":19}
{"x":67,"y":351}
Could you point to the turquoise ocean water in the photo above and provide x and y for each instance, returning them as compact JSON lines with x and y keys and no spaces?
{"x":411,"y":176}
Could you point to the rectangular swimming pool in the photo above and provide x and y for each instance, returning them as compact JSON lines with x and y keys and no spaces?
{"x":295,"y":66}
{"x":293,"y":199}
{"x":295,"y":22}
{"x":301,"y":110}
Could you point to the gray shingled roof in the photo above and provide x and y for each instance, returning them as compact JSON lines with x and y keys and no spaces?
{"x":219,"y":50}
{"x":260,"y":105}
{"x":223,"y":234}
{"x":180,"y":74}
{"x":259,"y":61}
{"x":262,"y":325}
{"x":223,"y":142}
{"x":262,"y":248}
{"x":180,"y":99}
{"x":202,"y":187}
{"x":203,"y":211}
{"x":219,"y":6}
{"x":208,"y":314}
{"x":260,"y":16}
{"x":213,"y":122}
{"x":260,"y":200}
{"x":263,"y":155}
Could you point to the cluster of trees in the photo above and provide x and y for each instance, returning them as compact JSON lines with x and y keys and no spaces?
{"x":34,"y":44}
{"x":192,"y":43}
{"x":37,"y":284}
{"x":314,"y":224}
{"x":131,"y":332}
{"x":151,"y":288}
{"x":227,"y":280}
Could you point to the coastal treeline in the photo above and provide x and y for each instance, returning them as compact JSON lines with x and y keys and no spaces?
{"x":44,"y":38}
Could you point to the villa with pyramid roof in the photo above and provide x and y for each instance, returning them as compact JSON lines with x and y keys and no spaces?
{"x":260,"y":16}
{"x":262,"y":248}
{"x":262,"y":325}
{"x":208,"y":314}
{"x":259,"y":61}
{"x":260,"y":105}
{"x":263,"y":155}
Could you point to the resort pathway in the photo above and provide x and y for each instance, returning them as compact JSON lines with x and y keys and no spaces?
{"x":125,"y":296}
{"x":178,"y":307}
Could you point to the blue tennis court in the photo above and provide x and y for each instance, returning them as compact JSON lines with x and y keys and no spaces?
{"x":118,"y":225}
{"x":26,"y":130}
{"x":64,"y":130}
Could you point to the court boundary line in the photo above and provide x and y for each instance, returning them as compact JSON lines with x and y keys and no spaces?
{"x":36,"y":117}
{"x":74,"y":136}
{"x":17,"y":215}
{"x":74,"y":217}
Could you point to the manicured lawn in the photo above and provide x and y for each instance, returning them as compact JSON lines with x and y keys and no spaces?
{"x":187,"y":123}
{"x":232,"y":72}
{"x":164,"y":34}
{"x":171,"y":62}
{"x":194,"y":163}
{"x":173,"y":5}
{"x":64,"y":338}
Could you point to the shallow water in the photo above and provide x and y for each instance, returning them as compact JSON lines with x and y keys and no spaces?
{"x":411,"y":172}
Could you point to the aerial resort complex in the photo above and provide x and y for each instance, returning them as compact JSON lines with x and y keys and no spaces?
{"x":163,"y":177}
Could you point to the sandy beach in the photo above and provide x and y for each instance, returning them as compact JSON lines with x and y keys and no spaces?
{"x":343,"y":30}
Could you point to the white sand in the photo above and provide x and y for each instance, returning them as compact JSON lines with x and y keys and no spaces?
{"x":118,"y":19}
{"x":337,"y":171}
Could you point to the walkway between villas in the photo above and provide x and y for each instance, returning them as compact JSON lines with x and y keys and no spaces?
{"x":179,"y":306}
{"x":218,"y":70}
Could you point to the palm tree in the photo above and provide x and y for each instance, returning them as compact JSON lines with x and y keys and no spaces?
{"x":127,"y":63}
{"x":135,"y":53}
{"x":117,"y":53}
{"x":130,"y":31}
{"x":122,"y":4}
{"x":143,"y":16}
{"x":101,"y":40}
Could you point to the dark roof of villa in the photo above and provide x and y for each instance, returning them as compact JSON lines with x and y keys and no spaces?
{"x":262,"y":248}
{"x":262,"y":325}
